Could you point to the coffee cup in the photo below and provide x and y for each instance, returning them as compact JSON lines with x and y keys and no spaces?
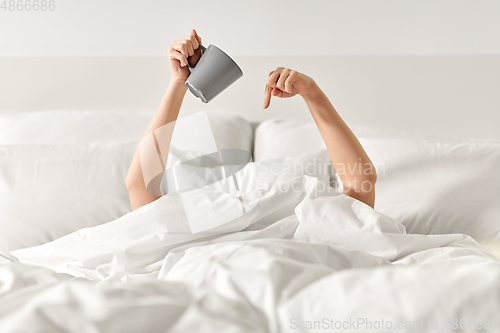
{"x":214,"y":72}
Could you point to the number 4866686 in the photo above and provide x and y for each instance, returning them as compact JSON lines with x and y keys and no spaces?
{"x":28,"y":5}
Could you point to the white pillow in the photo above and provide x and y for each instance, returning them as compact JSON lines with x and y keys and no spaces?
{"x":288,"y":137}
{"x":53,"y":183}
{"x":231,"y":131}
{"x":437,"y":187}
{"x":75,"y":127}
{"x":48,"y":191}
{"x":276,"y":138}
{"x":198,"y":143}
{"x":433,"y":184}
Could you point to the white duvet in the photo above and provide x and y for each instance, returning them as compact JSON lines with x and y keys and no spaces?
{"x":303,"y":260}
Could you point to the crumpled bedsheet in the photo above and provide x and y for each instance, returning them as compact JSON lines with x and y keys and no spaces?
{"x":302,"y":260}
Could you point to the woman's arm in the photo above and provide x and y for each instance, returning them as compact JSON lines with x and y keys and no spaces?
{"x":179,"y":53}
{"x":354,"y":167}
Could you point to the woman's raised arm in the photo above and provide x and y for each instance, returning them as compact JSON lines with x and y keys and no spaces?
{"x":353,"y":165}
{"x":179,"y":53}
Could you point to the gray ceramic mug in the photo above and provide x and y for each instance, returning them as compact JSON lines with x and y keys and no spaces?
{"x":214,"y":72}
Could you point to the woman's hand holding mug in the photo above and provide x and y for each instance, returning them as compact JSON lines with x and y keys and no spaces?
{"x":180,"y":53}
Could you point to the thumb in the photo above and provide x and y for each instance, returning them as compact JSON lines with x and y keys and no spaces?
{"x":195,"y":34}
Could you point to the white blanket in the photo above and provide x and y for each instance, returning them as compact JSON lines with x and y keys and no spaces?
{"x":303,"y":260}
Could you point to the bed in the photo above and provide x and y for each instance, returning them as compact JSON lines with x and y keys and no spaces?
{"x":302,"y":258}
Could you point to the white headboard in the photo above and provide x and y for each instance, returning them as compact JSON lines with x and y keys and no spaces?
{"x":449,"y":95}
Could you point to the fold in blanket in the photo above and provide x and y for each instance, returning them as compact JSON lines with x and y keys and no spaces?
{"x":308,"y":254}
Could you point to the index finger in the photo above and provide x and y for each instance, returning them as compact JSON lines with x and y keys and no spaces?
{"x":267,"y":96}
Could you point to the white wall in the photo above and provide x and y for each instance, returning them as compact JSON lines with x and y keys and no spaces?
{"x":451,"y":95}
{"x":255,"y":27}
{"x":425,"y":65}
